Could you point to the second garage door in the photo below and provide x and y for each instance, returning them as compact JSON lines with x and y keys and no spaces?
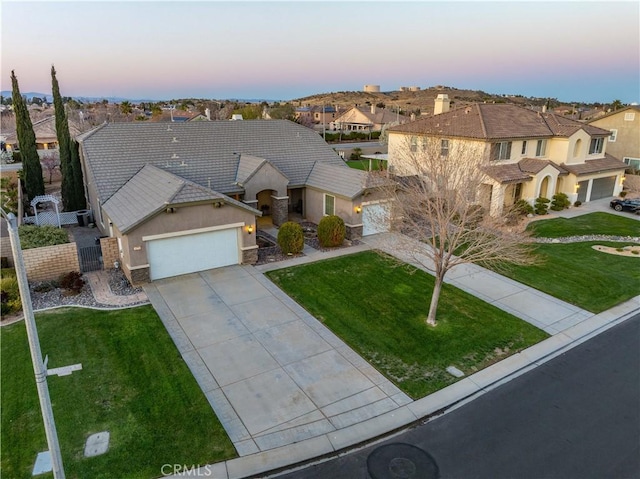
{"x":602,"y":187}
{"x":375,"y":218}
{"x":193,"y":252}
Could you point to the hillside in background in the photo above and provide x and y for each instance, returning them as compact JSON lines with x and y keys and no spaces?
{"x":419,"y":102}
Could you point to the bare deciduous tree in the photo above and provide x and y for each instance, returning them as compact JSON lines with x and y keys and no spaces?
{"x":438,"y":213}
{"x":50,"y":162}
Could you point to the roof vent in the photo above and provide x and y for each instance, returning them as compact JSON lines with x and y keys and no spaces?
{"x":169,"y":128}
{"x":174,"y":156}
{"x":175,"y":140}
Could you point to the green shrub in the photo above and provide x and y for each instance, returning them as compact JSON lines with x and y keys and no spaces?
{"x":577,"y":203}
{"x":71,"y":281}
{"x":560,"y":202}
{"x":542,"y":205}
{"x":291,"y":238}
{"x":32,"y":236}
{"x":522,"y":207}
{"x":331,"y":231}
{"x":623,"y":193}
{"x":9,"y":294}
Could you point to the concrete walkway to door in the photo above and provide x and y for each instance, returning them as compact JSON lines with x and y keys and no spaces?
{"x":272,"y":372}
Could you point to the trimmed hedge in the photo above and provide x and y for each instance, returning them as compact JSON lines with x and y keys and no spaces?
{"x":37,"y":236}
{"x":331,"y":231}
{"x":291,"y":238}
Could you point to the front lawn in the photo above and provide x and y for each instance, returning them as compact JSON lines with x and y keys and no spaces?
{"x":133,"y":383}
{"x":379,"y":308}
{"x":590,"y":224}
{"x":580,"y":275}
{"x":363,"y":164}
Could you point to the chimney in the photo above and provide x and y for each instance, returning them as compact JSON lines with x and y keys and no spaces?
{"x":441,"y":104}
{"x":207,"y":113}
{"x":413,"y":117}
{"x":544,"y":108}
{"x":373,"y":109}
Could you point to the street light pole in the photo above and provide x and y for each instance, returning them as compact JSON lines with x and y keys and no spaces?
{"x":39,"y":368}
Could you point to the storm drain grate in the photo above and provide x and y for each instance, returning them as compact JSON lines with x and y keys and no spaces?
{"x":401,"y":461}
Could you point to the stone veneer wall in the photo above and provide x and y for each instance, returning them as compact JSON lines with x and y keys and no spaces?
{"x":138,"y":276}
{"x":49,"y":262}
{"x":280,"y":213}
{"x":250,"y":256}
{"x":110,"y":253}
{"x":353,"y":232}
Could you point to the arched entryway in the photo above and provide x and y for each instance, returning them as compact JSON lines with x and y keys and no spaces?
{"x":545,"y":187}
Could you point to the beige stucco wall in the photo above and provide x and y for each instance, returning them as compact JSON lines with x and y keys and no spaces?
{"x":266,"y":178}
{"x":344,"y":207}
{"x":134,"y":252}
{"x":627,"y":142}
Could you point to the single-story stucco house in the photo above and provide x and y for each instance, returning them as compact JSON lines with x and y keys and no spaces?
{"x":184,"y":197}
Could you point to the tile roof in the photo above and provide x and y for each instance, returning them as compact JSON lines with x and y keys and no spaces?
{"x":151,"y":190}
{"x":496,"y":121}
{"x":45,"y":129}
{"x":380,"y":117}
{"x":616,"y":112}
{"x":349,"y":183}
{"x":510,"y":173}
{"x":345,"y":182}
{"x":202,"y":152}
{"x":521,"y":171}
{"x":608,"y":163}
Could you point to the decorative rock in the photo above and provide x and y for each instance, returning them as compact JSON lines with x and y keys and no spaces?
{"x":97,"y":444}
{"x":454,"y":371}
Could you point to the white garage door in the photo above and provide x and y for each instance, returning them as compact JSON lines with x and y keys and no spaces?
{"x":375,"y":218}
{"x":190,"y":253}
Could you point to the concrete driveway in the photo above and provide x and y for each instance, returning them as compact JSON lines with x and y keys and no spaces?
{"x":273,"y":373}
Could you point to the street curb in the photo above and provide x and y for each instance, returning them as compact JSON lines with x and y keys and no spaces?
{"x":320,"y":448}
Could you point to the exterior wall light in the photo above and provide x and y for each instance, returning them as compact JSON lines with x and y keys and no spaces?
{"x":358,"y":209}
{"x":249,"y":229}
{"x":577,"y":187}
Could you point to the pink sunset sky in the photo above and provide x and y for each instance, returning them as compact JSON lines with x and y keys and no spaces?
{"x":573,"y":51}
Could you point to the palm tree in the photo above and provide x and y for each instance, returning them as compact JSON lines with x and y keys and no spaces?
{"x":126,"y":108}
{"x":616,"y":105}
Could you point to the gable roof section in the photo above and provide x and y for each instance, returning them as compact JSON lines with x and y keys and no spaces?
{"x":249,"y":165}
{"x":489,"y":121}
{"x":344,"y":182}
{"x":380,"y":117}
{"x":151,"y":190}
{"x":202,"y":152}
{"x":521,"y":171}
{"x":635,"y":108}
{"x":608,"y":163}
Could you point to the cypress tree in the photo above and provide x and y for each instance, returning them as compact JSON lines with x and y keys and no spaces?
{"x":31,"y":167}
{"x":72,"y":184}
{"x":78,"y":181}
{"x":62,"y":132}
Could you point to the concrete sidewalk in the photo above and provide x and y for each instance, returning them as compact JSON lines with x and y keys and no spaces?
{"x":568,"y":325}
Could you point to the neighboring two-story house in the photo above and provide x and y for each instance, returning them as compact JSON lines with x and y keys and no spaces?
{"x":523,"y":153}
{"x":624,"y":141}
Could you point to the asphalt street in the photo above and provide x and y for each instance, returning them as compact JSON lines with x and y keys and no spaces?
{"x":576,"y":416}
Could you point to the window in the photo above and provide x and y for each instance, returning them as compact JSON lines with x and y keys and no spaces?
{"x":501,"y":151}
{"x":414,"y":145}
{"x":614,"y":135}
{"x":524,"y":148}
{"x":596,"y":145}
{"x":329,"y":205}
{"x":577,"y":148}
{"x":632,"y":162}
{"x":444,"y":147}
{"x":629,"y":116}
{"x":541,"y":148}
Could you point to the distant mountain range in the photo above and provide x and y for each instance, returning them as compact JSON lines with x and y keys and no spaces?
{"x":114,"y":99}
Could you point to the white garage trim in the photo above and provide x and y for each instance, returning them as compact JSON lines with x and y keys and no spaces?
{"x":183,"y":254}
{"x":193,"y":232}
